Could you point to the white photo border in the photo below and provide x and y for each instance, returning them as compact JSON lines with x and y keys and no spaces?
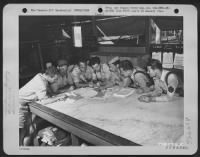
{"x":11,"y":13}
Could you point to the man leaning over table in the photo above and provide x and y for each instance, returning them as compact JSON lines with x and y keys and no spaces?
{"x":82,"y":74}
{"x":36,"y":89}
{"x":101,"y":72}
{"x":64,"y":82}
{"x":135,"y":76}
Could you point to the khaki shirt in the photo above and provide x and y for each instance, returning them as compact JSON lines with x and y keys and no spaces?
{"x":115,"y":76}
{"x":61,"y":82}
{"x":160,"y":87}
{"x":104,"y":73}
{"x":140,"y":80}
{"x":79,"y":76}
{"x":35,"y":89}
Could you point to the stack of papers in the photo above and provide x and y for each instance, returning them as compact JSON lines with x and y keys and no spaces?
{"x":178,"y":61}
{"x":156,"y":55}
{"x":167,"y":60}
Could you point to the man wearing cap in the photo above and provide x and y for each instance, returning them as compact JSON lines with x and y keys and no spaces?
{"x":64,"y":78}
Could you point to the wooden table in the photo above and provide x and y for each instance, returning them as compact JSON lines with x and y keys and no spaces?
{"x":116,"y":121}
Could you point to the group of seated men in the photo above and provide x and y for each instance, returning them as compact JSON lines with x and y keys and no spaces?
{"x":93,"y":73}
{"x":158,"y":84}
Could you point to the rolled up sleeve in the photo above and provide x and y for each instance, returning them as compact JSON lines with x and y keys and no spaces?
{"x":106,"y":72}
{"x":75,"y":75}
{"x":141,"y":80}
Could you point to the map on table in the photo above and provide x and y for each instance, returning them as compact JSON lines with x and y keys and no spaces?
{"x":85,"y":92}
{"x":124,"y":92}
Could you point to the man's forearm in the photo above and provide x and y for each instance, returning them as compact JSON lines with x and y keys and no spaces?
{"x":80,"y":85}
{"x":108,"y":84}
{"x":163,"y":98}
{"x":146,"y":89}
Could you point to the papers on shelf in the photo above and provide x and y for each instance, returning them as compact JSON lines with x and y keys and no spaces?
{"x":167,"y":60}
{"x":156,"y":55}
{"x":124,"y":92}
{"x":178,"y":61}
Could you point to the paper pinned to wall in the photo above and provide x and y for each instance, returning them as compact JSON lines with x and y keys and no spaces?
{"x":156,"y":55}
{"x":167,"y":60}
{"x":178,"y":61}
{"x":77,"y":36}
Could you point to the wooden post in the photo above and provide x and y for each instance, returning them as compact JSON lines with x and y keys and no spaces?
{"x":75,"y":140}
{"x":147,"y":34}
{"x":94,"y":29}
{"x":40,"y":56}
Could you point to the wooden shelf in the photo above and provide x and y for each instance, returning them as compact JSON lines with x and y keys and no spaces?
{"x":174,"y":69}
{"x":167,"y":46}
{"x":119,"y":50}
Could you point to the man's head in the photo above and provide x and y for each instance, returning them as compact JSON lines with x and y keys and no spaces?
{"x":126,"y":68}
{"x":95,"y":63}
{"x":51,"y":74}
{"x":62,"y":66}
{"x":154,"y":68}
{"x":82,"y":65}
{"x":114,"y":64}
{"x":49,"y":64}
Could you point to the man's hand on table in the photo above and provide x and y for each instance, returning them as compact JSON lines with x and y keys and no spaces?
{"x":91,"y":85}
{"x":77,"y":97}
{"x":146,"y":98}
{"x":139,"y":91}
{"x":71,"y":88}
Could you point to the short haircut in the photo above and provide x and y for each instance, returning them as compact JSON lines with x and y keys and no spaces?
{"x":116,"y":62}
{"x":94,"y":60}
{"x":51,"y":71}
{"x":81,"y":60}
{"x":126,"y":65}
{"x":155,"y":64}
{"x":62,"y":62}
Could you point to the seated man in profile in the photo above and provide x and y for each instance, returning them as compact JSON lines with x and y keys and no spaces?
{"x":82,"y":74}
{"x":166,"y":84}
{"x":135,"y":75}
{"x":64,"y":82}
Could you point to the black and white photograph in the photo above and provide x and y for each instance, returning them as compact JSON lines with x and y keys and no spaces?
{"x":100,"y":80}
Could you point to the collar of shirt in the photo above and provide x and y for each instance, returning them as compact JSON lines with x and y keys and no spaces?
{"x":43,"y":77}
{"x":155,"y":78}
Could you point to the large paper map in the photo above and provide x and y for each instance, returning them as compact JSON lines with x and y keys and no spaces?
{"x":124,"y":92}
{"x":85,"y":92}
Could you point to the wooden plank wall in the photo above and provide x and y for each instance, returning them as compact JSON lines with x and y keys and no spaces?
{"x":140,"y":61}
